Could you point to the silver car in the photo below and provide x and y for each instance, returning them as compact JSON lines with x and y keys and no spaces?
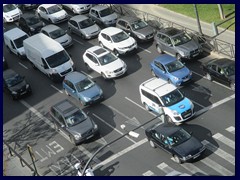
{"x":83,"y":26}
{"x":58,"y":34}
{"x":78,"y":8}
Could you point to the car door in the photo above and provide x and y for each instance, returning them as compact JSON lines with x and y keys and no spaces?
{"x":93,"y":63}
{"x":221,"y":76}
{"x":95,"y":16}
{"x":58,"y":119}
{"x":74,"y":26}
{"x":71,"y":89}
{"x":108,"y":42}
{"x":168,"y":47}
{"x":160,"y":70}
{"x":159,"y":139}
{"x":43,"y":13}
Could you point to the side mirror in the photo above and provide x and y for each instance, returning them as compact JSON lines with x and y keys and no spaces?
{"x":62,"y":125}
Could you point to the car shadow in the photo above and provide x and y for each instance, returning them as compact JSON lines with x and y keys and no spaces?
{"x":106,"y":171}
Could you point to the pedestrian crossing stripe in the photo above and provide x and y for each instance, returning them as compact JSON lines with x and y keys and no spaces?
{"x":148,"y":173}
{"x":224,"y":140}
{"x":165,"y":168}
{"x":231,"y":129}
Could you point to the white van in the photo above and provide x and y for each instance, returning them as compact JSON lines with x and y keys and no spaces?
{"x":13,"y":40}
{"x":48,"y":56}
{"x":160,"y":96}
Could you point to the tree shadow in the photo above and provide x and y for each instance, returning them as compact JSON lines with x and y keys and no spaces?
{"x":106,"y":171}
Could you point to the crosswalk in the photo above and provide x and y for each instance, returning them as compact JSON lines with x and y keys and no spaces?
{"x":216,"y":162}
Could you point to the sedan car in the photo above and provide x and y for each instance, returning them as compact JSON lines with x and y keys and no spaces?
{"x":73,"y":121}
{"x":221,"y":70}
{"x":177,"y":43}
{"x":52,"y":13}
{"x":82,"y":88}
{"x":11,"y":13}
{"x":104,"y":62}
{"x":30,"y":24}
{"x":138,"y":28}
{"x":58,"y":34}
{"x":78,"y":8}
{"x":117,"y":40}
{"x":15,"y":85}
{"x":176,"y":141}
{"x":170,"y":69}
{"x":83,"y":26}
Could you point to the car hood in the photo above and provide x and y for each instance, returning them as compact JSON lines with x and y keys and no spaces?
{"x":145,"y":31}
{"x":127,"y":42}
{"x":38,"y":25}
{"x":82,"y":127}
{"x":63,"y":38}
{"x":59,"y":14}
{"x":181,"y":72}
{"x":91,"y":92}
{"x":109,"y":17}
{"x":181,"y":106}
{"x":13,"y":12}
{"x":21,"y":50}
{"x":114,"y":65}
{"x":91,"y":29}
{"x":189,"y":46}
{"x":190,"y":147}
{"x":18,"y":86}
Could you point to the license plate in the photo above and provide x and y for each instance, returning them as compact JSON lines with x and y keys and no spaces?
{"x":187,"y":114}
{"x":184,"y":80}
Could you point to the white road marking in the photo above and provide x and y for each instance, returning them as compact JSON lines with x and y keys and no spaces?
{"x":78,"y":41}
{"x":192,"y":168}
{"x":23,"y":65}
{"x":228,"y":157}
{"x":231,"y":129}
{"x":197,"y":103}
{"x":109,"y":125}
{"x":56,"y":88}
{"x":145,"y":49}
{"x":224,"y":140}
{"x":87,"y":74}
{"x":148,"y":173}
{"x":165,"y":168}
{"x":217,"y":167}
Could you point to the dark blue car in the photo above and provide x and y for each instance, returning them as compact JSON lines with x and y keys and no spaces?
{"x":170,"y":69}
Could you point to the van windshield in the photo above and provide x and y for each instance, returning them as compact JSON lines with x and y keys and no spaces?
{"x":172,"y":98}
{"x":57,"y":59}
{"x":19,"y":42}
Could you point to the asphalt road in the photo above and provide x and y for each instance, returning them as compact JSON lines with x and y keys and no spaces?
{"x":27,"y":122}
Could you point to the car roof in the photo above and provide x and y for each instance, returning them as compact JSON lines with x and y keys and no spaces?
{"x":170,"y":31}
{"x":66,"y":107}
{"x":165,"y":59}
{"x":99,"y":7}
{"x":129,"y":19}
{"x":111,"y":31}
{"x":50,"y":27}
{"x":75,"y":77}
{"x":47,"y":5}
{"x":221,"y":62}
{"x":8,"y":73}
{"x":166,"y":129}
{"x":79,"y":18}
{"x":97,"y":50}
{"x":15,"y":33}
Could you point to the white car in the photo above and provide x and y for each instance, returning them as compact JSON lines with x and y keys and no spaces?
{"x":104,"y":62}
{"x":116,"y":40}
{"x":52,"y":13}
{"x":78,"y":8}
{"x":58,"y":34}
{"x":11,"y":13}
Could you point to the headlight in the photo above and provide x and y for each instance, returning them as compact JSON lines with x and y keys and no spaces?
{"x":108,"y":72}
{"x":77,"y":136}
{"x":140,"y":36}
{"x":32,"y":29}
{"x":183,"y":53}
{"x":27,"y":86}
{"x":175,"y":113}
{"x":176,"y":78}
{"x":14,"y":92}
{"x":86,"y":99}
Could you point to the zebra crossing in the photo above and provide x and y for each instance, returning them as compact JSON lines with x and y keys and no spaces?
{"x":208,"y":165}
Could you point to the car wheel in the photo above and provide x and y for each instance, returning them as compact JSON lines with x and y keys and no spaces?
{"x":152,"y":144}
{"x":116,"y":52}
{"x":50,"y":20}
{"x":232,"y":86}
{"x":82,"y":36}
{"x":56,"y":127}
{"x":104,"y":76}
{"x":82,"y":102}
{"x":176,"y":159}
{"x":30,"y":33}
{"x":14,"y":98}
{"x":66,"y":92}
{"x":146,"y":107}
{"x":153,"y":73}
{"x":39,"y":15}
{"x":88,"y":68}
{"x":178,"y":57}
{"x":159,"y":50}
{"x":169,"y":119}
{"x":74,"y":12}
{"x":209,"y":77}
{"x":100,"y":43}
{"x":19,"y":56}
{"x":72,"y":140}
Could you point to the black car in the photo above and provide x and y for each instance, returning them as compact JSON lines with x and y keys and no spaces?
{"x":73,"y":121}
{"x":221,"y":70}
{"x":31,"y":24}
{"x":176,"y":141}
{"x":25,"y":7}
{"x":15,"y":85}
{"x":5,"y":64}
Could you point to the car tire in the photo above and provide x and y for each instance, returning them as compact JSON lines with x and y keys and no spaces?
{"x":152,"y":144}
{"x":209,"y":77}
{"x":56,"y":127}
{"x":88,"y":68}
{"x":159,"y":50}
{"x":153,"y":73}
{"x":50,"y":20}
{"x":70,"y":30}
{"x":101,"y":44}
{"x":72,"y":140}
{"x":66,"y":92}
{"x":232,"y":86}
{"x":82,"y":36}
{"x":169,"y":119}
{"x":178,"y":57}
{"x":104,"y":76}
{"x":39,"y":15}
{"x":82,"y":103}
{"x":177,"y":159}
{"x":74,"y":12}
{"x":146,"y":106}
{"x":116,"y":52}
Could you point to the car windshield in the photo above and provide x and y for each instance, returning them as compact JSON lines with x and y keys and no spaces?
{"x":75,"y":118}
{"x":84,"y":85}
{"x":229,"y":70}
{"x":57,"y":33}
{"x":105,"y":12}
{"x":178,"y":137}
{"x":32,"y":20}
{"x":121,"y":36}
{"x":9,"y":7}
{"x":174,"y":66}
{"x":181,"y":39}
{"x":139,"y":25}
{"x":57,"y":59}
{"x":16,"y":79}
{"x":54,"y":9}
{"x":86,"y":23}
{"x":107,"y":58}
{"x":19,"y":42}
{"x":172,"y":98}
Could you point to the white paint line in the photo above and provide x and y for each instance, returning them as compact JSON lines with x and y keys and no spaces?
{"x":174,"y":173}
{"x":228,"y":157}
{"x":148,"y":173}
{"x":145,"y":49}
{"x":193,"y":169}
{"x":56,"y":88}
{"x":78,"y":41}
{"x":197,"y":103}
{"x":109,"y":125}
{"x":117,"y":155}
{"x":165,"y":168}
{"x":224,"y":140}
{"x":198,"y":74}
{"x":217,"y":167}
{"x":23,"y":65}
{"x":231,"y":129}
{"x":87,"y":74}
{"x":215,"y":105}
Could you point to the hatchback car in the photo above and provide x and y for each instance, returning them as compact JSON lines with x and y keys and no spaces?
{"x":104,"y":62}
{"x":82,"y":88}
{"x":83,"y":26}
{"x":138,"y":28}
{"x":221,"y":70}
{"x":11,"y":13}
{"x":15,"y":85}
{"x":176,"y":43}
{"x":117,"y":40}
{"x":25,"y":7}
{"x":30,"y":24}
{"x":176,"y":141}
{"x":58,"y":34}
{"x":52,"y":13}
{"x":78,"y":8}
{"x":170,"y":69}
{"x":73,"y":121}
